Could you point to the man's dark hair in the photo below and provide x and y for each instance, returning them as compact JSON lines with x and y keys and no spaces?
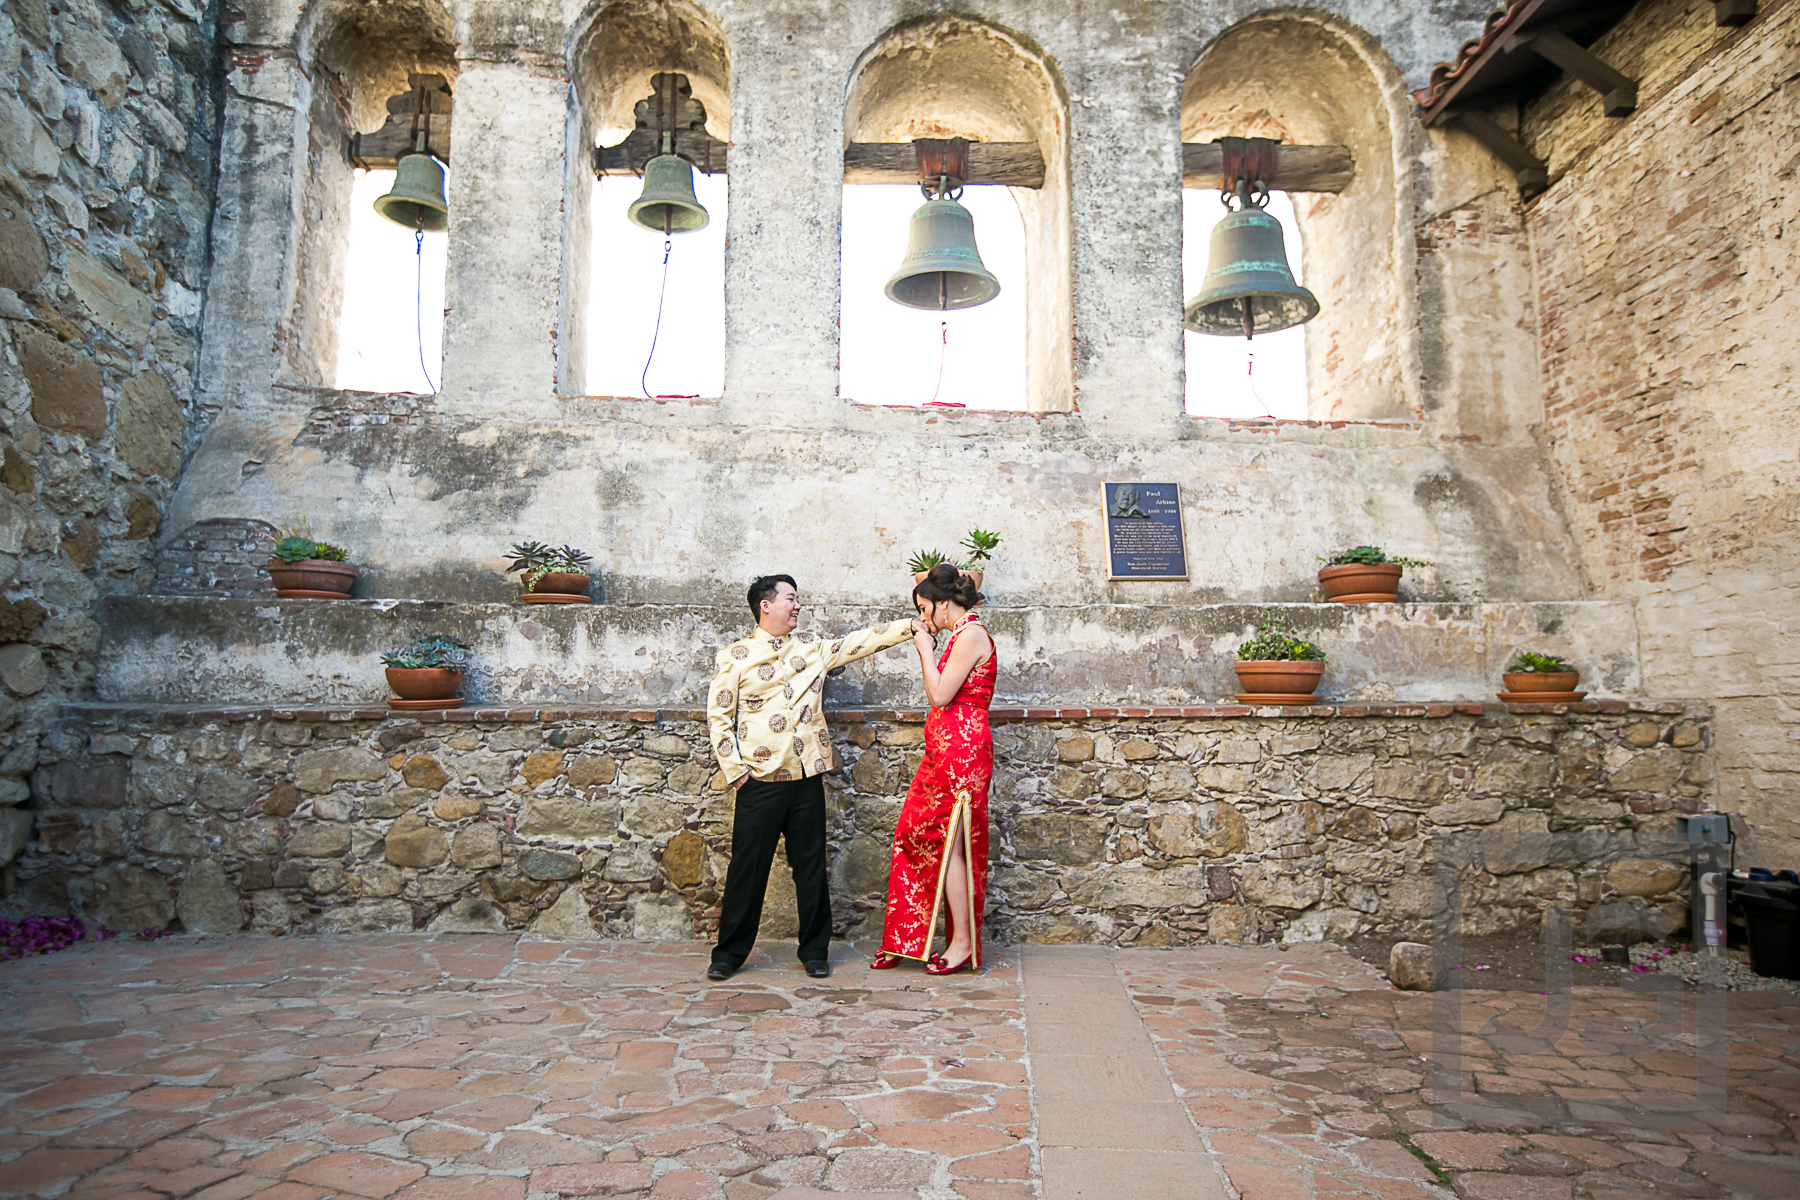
{"x":764,"y":589}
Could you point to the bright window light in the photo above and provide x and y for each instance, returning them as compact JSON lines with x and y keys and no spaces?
{"x":385,"y":318}
{"x":890,"y":354}
{"x":627,"y":274}
{"x":1220,"y":378}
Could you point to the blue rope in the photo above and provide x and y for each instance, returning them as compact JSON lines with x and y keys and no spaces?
{"x":419,"y":305}
{"x":656,"y":333}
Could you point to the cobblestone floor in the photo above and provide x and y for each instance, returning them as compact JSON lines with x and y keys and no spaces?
{"x":499,"y":1066}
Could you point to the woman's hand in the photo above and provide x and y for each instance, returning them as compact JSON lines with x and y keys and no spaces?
{"x":919,"y":627}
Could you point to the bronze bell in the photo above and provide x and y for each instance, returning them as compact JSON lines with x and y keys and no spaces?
{"x":1248,"y":287}
{"x":942,"y":268}
{"x":417,"y":197}
{"x":668,"y":204}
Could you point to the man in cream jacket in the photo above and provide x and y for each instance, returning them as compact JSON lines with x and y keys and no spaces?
{"x":767,"y":718}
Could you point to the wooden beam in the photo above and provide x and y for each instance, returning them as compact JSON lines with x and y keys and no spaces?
{"x":1012,"y":164}
{"x":1618,"y":92}
{"x":1531,"y":172}
{"x":1297,"y":168}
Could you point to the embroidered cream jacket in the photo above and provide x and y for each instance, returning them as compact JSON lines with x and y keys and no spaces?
{"x":765,"y":711}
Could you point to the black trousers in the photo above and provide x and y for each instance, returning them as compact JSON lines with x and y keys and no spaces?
{"x":767,"y":811}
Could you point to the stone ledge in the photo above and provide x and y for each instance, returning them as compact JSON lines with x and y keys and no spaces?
{"x":181,"y":714}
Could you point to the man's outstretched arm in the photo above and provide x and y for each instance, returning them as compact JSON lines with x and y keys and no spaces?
{"x":863,"y":642}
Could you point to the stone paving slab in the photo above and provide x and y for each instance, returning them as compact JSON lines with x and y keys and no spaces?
{"x":487,"y":1067}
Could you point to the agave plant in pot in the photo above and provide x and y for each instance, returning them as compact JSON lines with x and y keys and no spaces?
{"x":426,"y":672}
{"x":921,"y":563}
{"x":304,"y":569}
{"x":551,"y":575}
{"x":1364,"y":575}
{"x":1277,"y":667}
{"x":1534,"y":678}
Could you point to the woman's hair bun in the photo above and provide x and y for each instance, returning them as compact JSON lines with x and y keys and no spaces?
{"x":946,"y":581}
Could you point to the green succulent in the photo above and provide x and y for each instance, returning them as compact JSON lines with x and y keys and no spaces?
{"x":437,"y":651}
{"x":924,"y":560}
{"x":1369,"y":555}
{"x":298,"y":547}
{"x":1275,"y":642}
{"x":980,"y":544}
{"x":534,"y":560}
{"x":1530,"y":662}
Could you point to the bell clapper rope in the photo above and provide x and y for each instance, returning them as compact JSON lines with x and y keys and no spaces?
{"x":419,"y":301}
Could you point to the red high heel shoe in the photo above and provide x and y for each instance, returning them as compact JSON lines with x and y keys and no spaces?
{"x":938,"y":965}
{"x":884,"y":961}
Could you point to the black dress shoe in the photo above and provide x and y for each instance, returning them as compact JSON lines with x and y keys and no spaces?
{"x":719,"y":972}
{"x":818,"y":968}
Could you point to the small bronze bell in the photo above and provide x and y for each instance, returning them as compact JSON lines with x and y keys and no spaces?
{"x":417,"y":197}
{"x":942,"y":268}
{"x":668,"y":204}
{"x":1248,"y":287}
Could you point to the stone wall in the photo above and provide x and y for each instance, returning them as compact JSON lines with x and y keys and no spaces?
{"x":1109,"y":825}
{"x":1665,"y":262}
{"x":107,"y":127}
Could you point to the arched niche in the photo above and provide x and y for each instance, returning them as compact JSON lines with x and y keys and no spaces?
{"x":356,"y":58}
{"x":615,"y":51}
{"x":953,"y":76}
{"x":1304,"y":79}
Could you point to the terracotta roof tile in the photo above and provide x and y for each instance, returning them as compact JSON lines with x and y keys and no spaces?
{"x":1445,"y":74}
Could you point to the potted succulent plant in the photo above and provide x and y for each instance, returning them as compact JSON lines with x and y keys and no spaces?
{"x":551,"y":575}
{"x":1364,"y":575}
{"x":426,"y":672}
{"x":1532,"y":677}
{"x":921,"y":563}
{"x":303,"y":569}
{"x":980,"y":544}
{"x":1275,"y":667}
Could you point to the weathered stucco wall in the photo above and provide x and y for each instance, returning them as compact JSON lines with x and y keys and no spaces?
{"x":107,"y":123}
{"x":201,"y":650}
{"x":1105,"y":828}
{"x":1665,"y":267}
{"x":680,"y":505}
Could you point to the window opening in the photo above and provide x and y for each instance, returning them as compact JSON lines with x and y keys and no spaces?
{"x":391,"y":323}
{"x":1228,"y":376}
{"x":951,"y":336}
{"x":656,"y":290}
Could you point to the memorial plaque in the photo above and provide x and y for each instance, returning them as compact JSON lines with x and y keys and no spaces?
{"x":1143,"y":531}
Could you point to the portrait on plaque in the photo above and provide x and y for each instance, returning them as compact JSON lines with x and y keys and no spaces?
{"x":1143,"y":531}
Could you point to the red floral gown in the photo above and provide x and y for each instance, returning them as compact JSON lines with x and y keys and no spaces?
{"x":951,"y":782}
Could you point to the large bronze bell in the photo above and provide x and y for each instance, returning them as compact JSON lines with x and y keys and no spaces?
{"x":1248,"y":287}
{"x":417,"y":197}
{"x":668,"y":204}
{"x":942,"y":268}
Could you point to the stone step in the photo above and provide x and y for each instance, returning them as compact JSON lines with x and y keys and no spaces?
{"x":208,"y":651}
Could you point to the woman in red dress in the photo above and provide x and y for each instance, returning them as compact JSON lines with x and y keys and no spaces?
{"x":941,"y":840}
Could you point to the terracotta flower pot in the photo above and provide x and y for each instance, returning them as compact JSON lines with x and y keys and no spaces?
{"x":1540,"y":681}
{"x":1364,"y":581}
{"x":919,"y":577}
{"x":310,"y":576}
{"x":1279,"y":678}
{"x":424,"y":683}
{"x":563,"y":583}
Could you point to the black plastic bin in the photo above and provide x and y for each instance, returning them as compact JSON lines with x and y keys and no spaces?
{"x":1772,"y":918}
